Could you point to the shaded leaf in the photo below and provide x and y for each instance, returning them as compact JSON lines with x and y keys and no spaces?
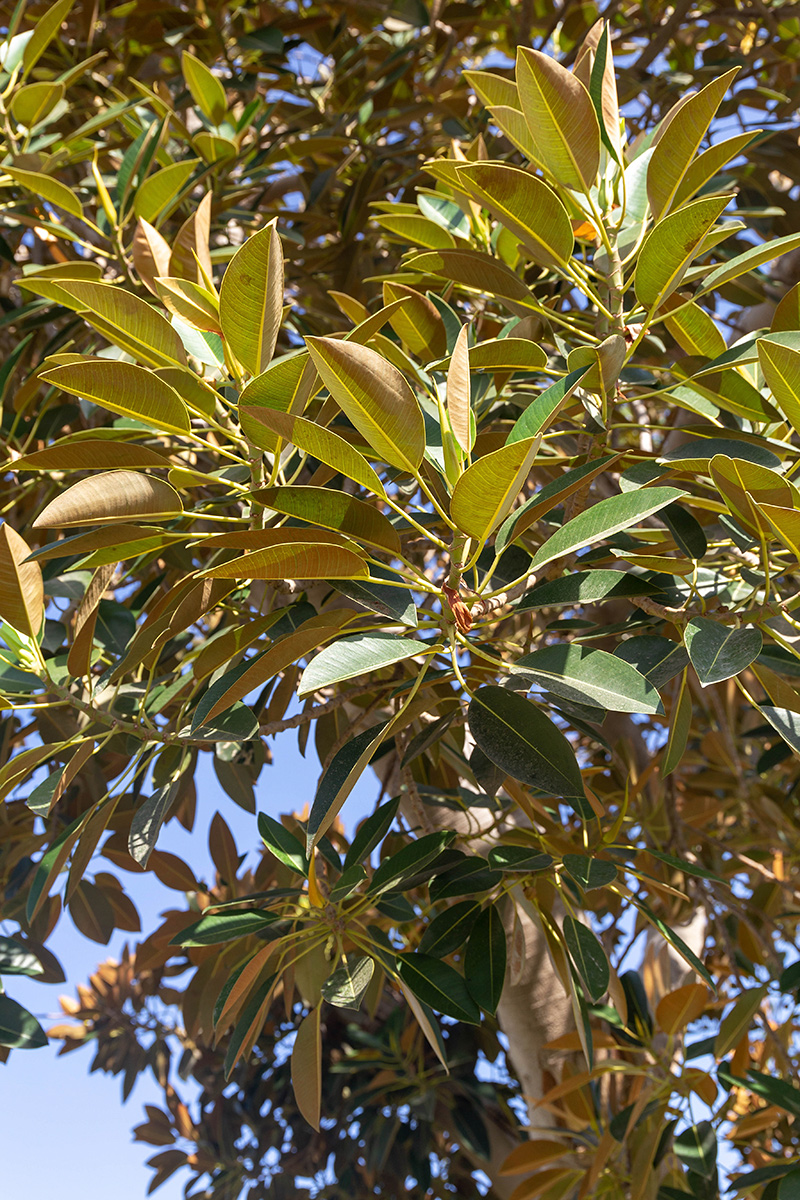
{"x":21,"y":585}
{"x":345,"y":988}
{"x":589,"y":957}
{"x":436,"y":983}
{"x":222,"y":927}
{"x":485,"y":959}
{"x":147,"y":821}
{"x":603,"y":519}
{"x":307,"y":1067}
{"x":19,"y":1028}
{"x":718,"y":651}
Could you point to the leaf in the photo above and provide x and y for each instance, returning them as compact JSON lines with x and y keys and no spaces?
{"x":47,"y":188}
{"x":749,"y":260}
{"x":416,"y":230}
{"x":735,"y":1025}
{"x":147,"y":821}
{"x":718,"y":651}
{"x":364,"y":653}
{"x":333,"y":510}
{"x":602,"y":520}
{"x":524,"y":205}
{"x":439,"y":985}
{"x":473,"y":269}
{"x":459,"y":394}
{"x":416,"y":322}
{"x":672,"y":937}
{"x":586,"y":587}
{"x":670,"y":247}
{"x":21,"y":585}
{"x":589,"y":957}
{"x":207,"y":91}
{"x":657,"y":658}
{"x":371,"y":832}
{"x":693,"y":328}
{"x":283,"y":844}
{"x":393,"y":602}
{"x":507,"y":354}
{"x":17,"y":959}
{"x":345,"y":988}
{"x":307,"y":1067}
{"x":315,"y":440}
{"x":688,"y":868}
{"x":538,"y":415}
{"x":339,"y":779}
{"x":160,"y":193}
{"x":485,"y":959}
{"x":190,"y":257}
{"x":19,"y":1028}
{"x":518,"y":858}
{"x":781,"y":367}
{"x":251,"y":299}
{"x":603,"y":91}
{"x":126,"y":389}
{"x":521,"y":740}
{"x":591,"y":676}
{"x":46,"y":27}
{"x":112,"y":496}
{"x":680,"y":1007}
{"x":746,"y":486}
{"x":190,"y":301}
{"x":678,"y":730}
{"x":293,"y":560}
{"x":31,"y":104}
{"x":375,"y":397}
{"x":786,"y":722}
{"x":128,"y":322}
{"x":532,"y":1154}
{"x":91,"y":455}
{"x":675,"y":151}
{"x":486,"y":491}
{"x":561,"y":119}
{"x":151,"y":254}
{"x":589,"y":873}
{"x":696,"y":1148}
{"x":450,"y":929}
{"x":215,"y":928}
{"x":409,"y":861}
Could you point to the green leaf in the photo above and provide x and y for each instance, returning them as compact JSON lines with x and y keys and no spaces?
{"x":749,"y":260}
{"x":678,"y":731}
{"x":333,"y":510}
{"x":524,"y":205}
{"x":561,"y":118}
{"x":345,"y":988}
{"x":786,"y":722}
{"x":670,"y":247}
{"x":393,"y":602}
{"x":207,"y":91}
{"x":591,"y":676}
{"x":696,"y":1148}
{"x":671,"y":936}
{"x":445,"y":213}
{"x":737,"y":1022}
{"x":589,"y":873}
{"x":235,"y":724}
{"x":436,"y":983}
{"x":315,"y":440}
{"x":538,"y":415}
{"x":469,"y":876}
{"x":49,"y":189}
{"x":222,"y":927}
{"x":485,"y":959}
{"x":19,"y":1028}
{"x":781,"y":367}
{"x":147,"y":821}
{"x":364,"y":653}
{"x":339,"y":779}
{"x":349,"y":880}
{"x":789,"y":1186}
{"x":377,"y":399}
{"x":676,"y":149}
{"x":46,"y":27}
{"x":546,"y":498}
{"x":16,"y":959}
{"x":126,"y":389}
{"x":586,"y":587}
{"x":251,"y":299}
{"x":657,"y":658}
{"x":411,"y":859}
{"x":486,"y":491}
{"x":518,"y":858}
{"x":719,"y":651}
{"x":602,"y":520}
{"x":416,"y":230}
{"x":589,"y":957}
{"x":450,"y":929}
{"x":521,"y":740}
{"x":371,"y":832}
{"x":284,"y":845}
{"x":695,"y":454}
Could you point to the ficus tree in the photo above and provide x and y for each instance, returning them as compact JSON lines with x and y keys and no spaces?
{"x":516,"y":531}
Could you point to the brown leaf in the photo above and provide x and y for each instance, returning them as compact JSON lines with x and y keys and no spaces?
{"x":112,"y":496}
{"x":21,"y":586}
{"x":307,"y":1067}
{"x":151,"y":254}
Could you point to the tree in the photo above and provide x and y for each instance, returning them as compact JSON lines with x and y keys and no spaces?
{"x":515,"y":527}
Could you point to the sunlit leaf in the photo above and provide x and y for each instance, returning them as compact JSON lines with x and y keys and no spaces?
{"x":112,"y":496}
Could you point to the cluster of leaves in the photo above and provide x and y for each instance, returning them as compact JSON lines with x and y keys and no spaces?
{"x":522,"y":535}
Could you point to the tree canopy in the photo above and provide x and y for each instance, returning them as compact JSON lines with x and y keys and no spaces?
{"x":414,"y":383}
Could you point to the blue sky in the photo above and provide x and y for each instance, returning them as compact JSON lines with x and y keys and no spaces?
{"x":65,"y":1134}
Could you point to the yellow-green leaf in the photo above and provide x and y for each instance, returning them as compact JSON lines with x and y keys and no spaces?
{"x":678,"y":730}
{"x":416,"y":230}
{"x":693,"y":328}
{"x":459,"y":393}
{"x":251,"y":299}
{"x":676,"y":149}
{"x":112,"y":496}
{"x":307,"y":1067}
{"x":670,"y":247}
{"x":34,"y":102}
{"x":191,"y":257}
{"x":333,"y":510}
{"x":781,"y":367}
{"x":487,"y":490}
{"x":21,"y":586}
{"x":375,"y":397}
{"x":45,"y":29}
{"x":126,"y":389}
{"x":747,"y":485}
{"x":524,"y":205}
{"x":709,"y":163}
{"x":561,"y":118}
{"x":47,"y":188}
{"x":294,"y":560}
{"x":151,"y":254}
{"x":493,"y":89}
{"x":738,"y":1021}
{"x":190,"y":302}
{"x":207,"y":91}
{"x":317,"y":441}
{"x":416,"y":322}
{"x":92,"y":454}
{"x":160,"y":193}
